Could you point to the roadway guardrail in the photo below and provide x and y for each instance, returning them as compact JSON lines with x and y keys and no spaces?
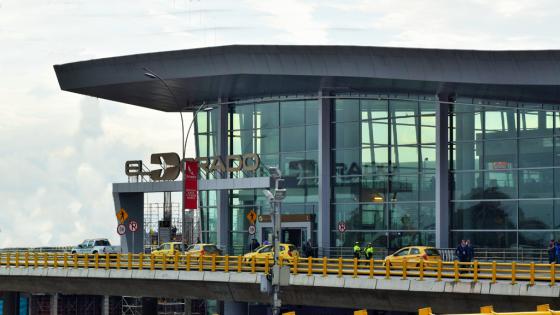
{"x":422,"y":269}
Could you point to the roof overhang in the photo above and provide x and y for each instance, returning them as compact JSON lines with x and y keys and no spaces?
{"x":240,"y":71}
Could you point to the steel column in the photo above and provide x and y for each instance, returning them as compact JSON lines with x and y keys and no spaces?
{"x":324,"y":218}
{"x":223,"y":215}
{"x":442,"y":172}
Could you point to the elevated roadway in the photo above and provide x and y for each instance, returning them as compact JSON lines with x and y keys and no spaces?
{"x":446,"y":287}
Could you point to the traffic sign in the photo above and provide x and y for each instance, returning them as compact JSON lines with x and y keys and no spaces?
{"x":122,"y":216}
{"x":252,"y":216}
{"x":121,"y":229}
{"x":341,"y":226}
{"x":252,"y":230}
{"x":133,"y":226}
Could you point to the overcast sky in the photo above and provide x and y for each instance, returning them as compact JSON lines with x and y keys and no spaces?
{"x":60,"y":152}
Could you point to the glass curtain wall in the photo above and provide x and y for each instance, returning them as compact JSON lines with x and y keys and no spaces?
{"x":206,"y":126}
{"x":284,"y":133}
{"x":504,"y":166}
{"x":383,"y":184}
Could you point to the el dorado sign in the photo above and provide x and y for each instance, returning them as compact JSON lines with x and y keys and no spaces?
{"x":170,"y":167}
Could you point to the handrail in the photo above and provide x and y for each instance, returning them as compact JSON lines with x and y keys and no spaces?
{"x":511,"y":272}
{"x":543,"y":309}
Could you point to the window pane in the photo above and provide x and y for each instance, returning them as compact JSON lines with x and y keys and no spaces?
{"x":267,"y":115}
{"x":482,"y":215}
{"x":373,"y":216}
{"x":534,"y":239}
{"x":402,"y":239}
{"x":347,"y":135}
{"x":374,"y":109}
{"x":292,"y":139}
{"x":346,"y":110}
{"x":536,"y":183}
{"x":290,"y":164}
{"x":346,"y":189}
{"x":535,"y":152}
{"x":427,"y":187}
{"x":242,"y":117}
{"x":500,"y":185}
{"x":403,"y":216}
{"x":403,"y":188}
{"x":500,"y":154}
{"x":486,"y":239}
{"x":374,"y":189}
{"x":468,"y":185}
{"x":406,"y":158}
{"x":267,"y":140}
{"x":375,"y":160}
{"x":375,"y":132}
{"x":311,"y":164}
{"x":500,"y":123}
{"x":311,"y":137}
{"x":427,"y":218}
{"x":428,"y":158}
{"x":348,"y":239}
{"x":535,"y":214}
{"x":311,"y":111}
{"x":468,"y":155}
{"x":292,"y":113}
{"x":534,"y":123}
{"x":347,"y":162}
{"x":202,"y":122}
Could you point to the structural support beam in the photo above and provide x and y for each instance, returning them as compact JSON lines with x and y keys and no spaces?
{"x":323,"y":218}
{"x":442,"y":172}
{"x":105,"y":305}
{"x":223,"y":215}
{"x":54,"y":304}
{"x":133,"y":204}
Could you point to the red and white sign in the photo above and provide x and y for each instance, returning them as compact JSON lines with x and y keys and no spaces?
{"x":121,"y":229}
{"x":133,"y":226}
{"x":341,"y":226}
{"x":190,"y":193}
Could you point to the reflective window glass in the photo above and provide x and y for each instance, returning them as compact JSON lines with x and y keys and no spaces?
{"x":311,"y":111}
{"x":403,"y":216}
{"x":346,"y":110}
{"x":492,"y":239}
{"x":346,"y":189}
{"x":536,"y":183}
{"x":406,"y":158}
{"x":292,"y":113}
{"x":535,"y":152}
{"x":500,"y":123}
{"x":401,"y":239}
{"x":375,"y":160}
{"x":267,"y":141}
{"x":374,"y":109}
{"x":374,"y":189}
{"x":535,"y":214}
{"x":242,"y":116}
{"x":347,"y":135}
{"x":348,"y":238}
{"x":535,"y":239}
{"x":484,"y":215}
{"x":403,"y":188}
{"x":347,"y":162}
{"x":468,"y":185}
{"x":267,"y":115}
{"x":291,"y":164}
{"x":373,"y":216}
{"x":501,"y":154}
{"x":427,"y":217}
{"x":534,"y":123}
{"x":500,"y":185}
{"x":375,"y":132}
{"x":427,"y":188}
{"x":311,"y":137}
{"x":468,"y":156}
{"x":292,"y":139}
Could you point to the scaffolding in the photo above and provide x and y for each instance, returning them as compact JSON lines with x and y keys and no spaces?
{"x":131,"y":305}
{"x":153,"y":214}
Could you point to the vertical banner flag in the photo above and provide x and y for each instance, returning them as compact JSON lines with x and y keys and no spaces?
{"x":190,"y":193}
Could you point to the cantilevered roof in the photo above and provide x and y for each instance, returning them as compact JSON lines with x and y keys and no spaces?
{"x":239,"y":71}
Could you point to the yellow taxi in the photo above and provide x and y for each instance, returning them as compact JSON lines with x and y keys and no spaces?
{"x":413,"y":255}
{"x":287,"y":252}
{"x":197,"y":250}
{"x":169,"y":249}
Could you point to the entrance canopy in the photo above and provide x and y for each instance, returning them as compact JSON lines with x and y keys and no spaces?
{"x":239,"y":71}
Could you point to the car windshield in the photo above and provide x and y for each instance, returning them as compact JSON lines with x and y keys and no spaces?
{"x":265,"y":249}
{"x":102,"y":243}
{"x":402,"y":252}
{"x":432,"y":252}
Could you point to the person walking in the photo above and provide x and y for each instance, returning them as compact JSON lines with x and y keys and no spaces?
{"x":557,"y":251}
{"x":470,"y":251}
{"x":551,"y":252}
{"x":357,"y":250}
{"x":461,"y":251}
{"x":369,"y":251}
{"x":307,"y":249}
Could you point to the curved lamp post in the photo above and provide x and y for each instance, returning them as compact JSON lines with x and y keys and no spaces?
{"x":152,"y":75}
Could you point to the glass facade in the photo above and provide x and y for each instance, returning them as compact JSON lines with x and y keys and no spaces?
{"x":504,"y":162}
{"x":383,"y":170}
{"x":504,"y":170}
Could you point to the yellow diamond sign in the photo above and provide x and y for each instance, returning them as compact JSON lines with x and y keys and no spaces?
{"x":252,"y":216}
{"x":122,"y":216}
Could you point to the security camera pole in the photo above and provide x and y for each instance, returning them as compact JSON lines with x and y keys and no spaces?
{"x":275,"y":200}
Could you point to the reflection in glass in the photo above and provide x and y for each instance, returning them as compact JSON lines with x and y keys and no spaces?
{"x":535,"y":214}
{"x":292,"y":139}
{"x":484,"y":215}
{"x":346,"y":110}
{"x":536,"y":183}
{"x":292,"y":113}
{"x":403,"y":216}
{"x":494,"y":239}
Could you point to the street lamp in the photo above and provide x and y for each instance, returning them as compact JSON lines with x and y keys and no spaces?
{"x":275,"y":198}
{"x":152,"y":75}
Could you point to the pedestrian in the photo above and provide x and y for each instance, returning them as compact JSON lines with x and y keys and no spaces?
{"x":551,"y":252}
{"x":369,"y":251}
{"x":308,"y":249}
{"x":470,"y":251}
{"x":357,"y":249}
{"x":557,"y":251}
{"x":253,"y":245}
{"x":461,"y":251}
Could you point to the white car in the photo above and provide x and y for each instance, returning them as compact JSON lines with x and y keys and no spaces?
{"x":96,"y":246}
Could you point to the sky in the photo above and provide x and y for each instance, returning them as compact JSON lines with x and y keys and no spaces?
{"x":60,"y":152}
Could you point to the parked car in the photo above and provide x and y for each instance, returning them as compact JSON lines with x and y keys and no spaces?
{"x":196,"y":250}
{"x":287,"y":251}
{"x":413,"y":256}
{"x":96,"y":246}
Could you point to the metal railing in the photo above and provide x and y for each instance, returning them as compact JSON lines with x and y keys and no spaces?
{"x":543,"y":309}
{"x":421,"y":269}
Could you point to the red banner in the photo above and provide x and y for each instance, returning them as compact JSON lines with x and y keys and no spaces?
{"x":190,"y":179}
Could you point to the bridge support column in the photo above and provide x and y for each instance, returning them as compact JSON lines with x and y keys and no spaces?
{"x":235,"y":308}
{"x":54,"y":304}
{"x":133,"y":204}
{"x":105,"y":305}
{"x":11,"y":303}
{"x":188,"y":306}
{"x":442,"y":171}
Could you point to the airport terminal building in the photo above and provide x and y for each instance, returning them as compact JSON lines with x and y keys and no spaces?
{"x":400,"y":146}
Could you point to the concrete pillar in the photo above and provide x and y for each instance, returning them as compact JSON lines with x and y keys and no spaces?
{"x":324,"y":217}
{"x":188,"y":306}
{"x":105,"y":305}
{"x":223,"y":215}
{"x":54,"y":304}
{"x":149,"y":306}
{"x":235,"y":308}
{"x":442,"y":173}
{"x":11,"y":303}
{"x":133,"y":204}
